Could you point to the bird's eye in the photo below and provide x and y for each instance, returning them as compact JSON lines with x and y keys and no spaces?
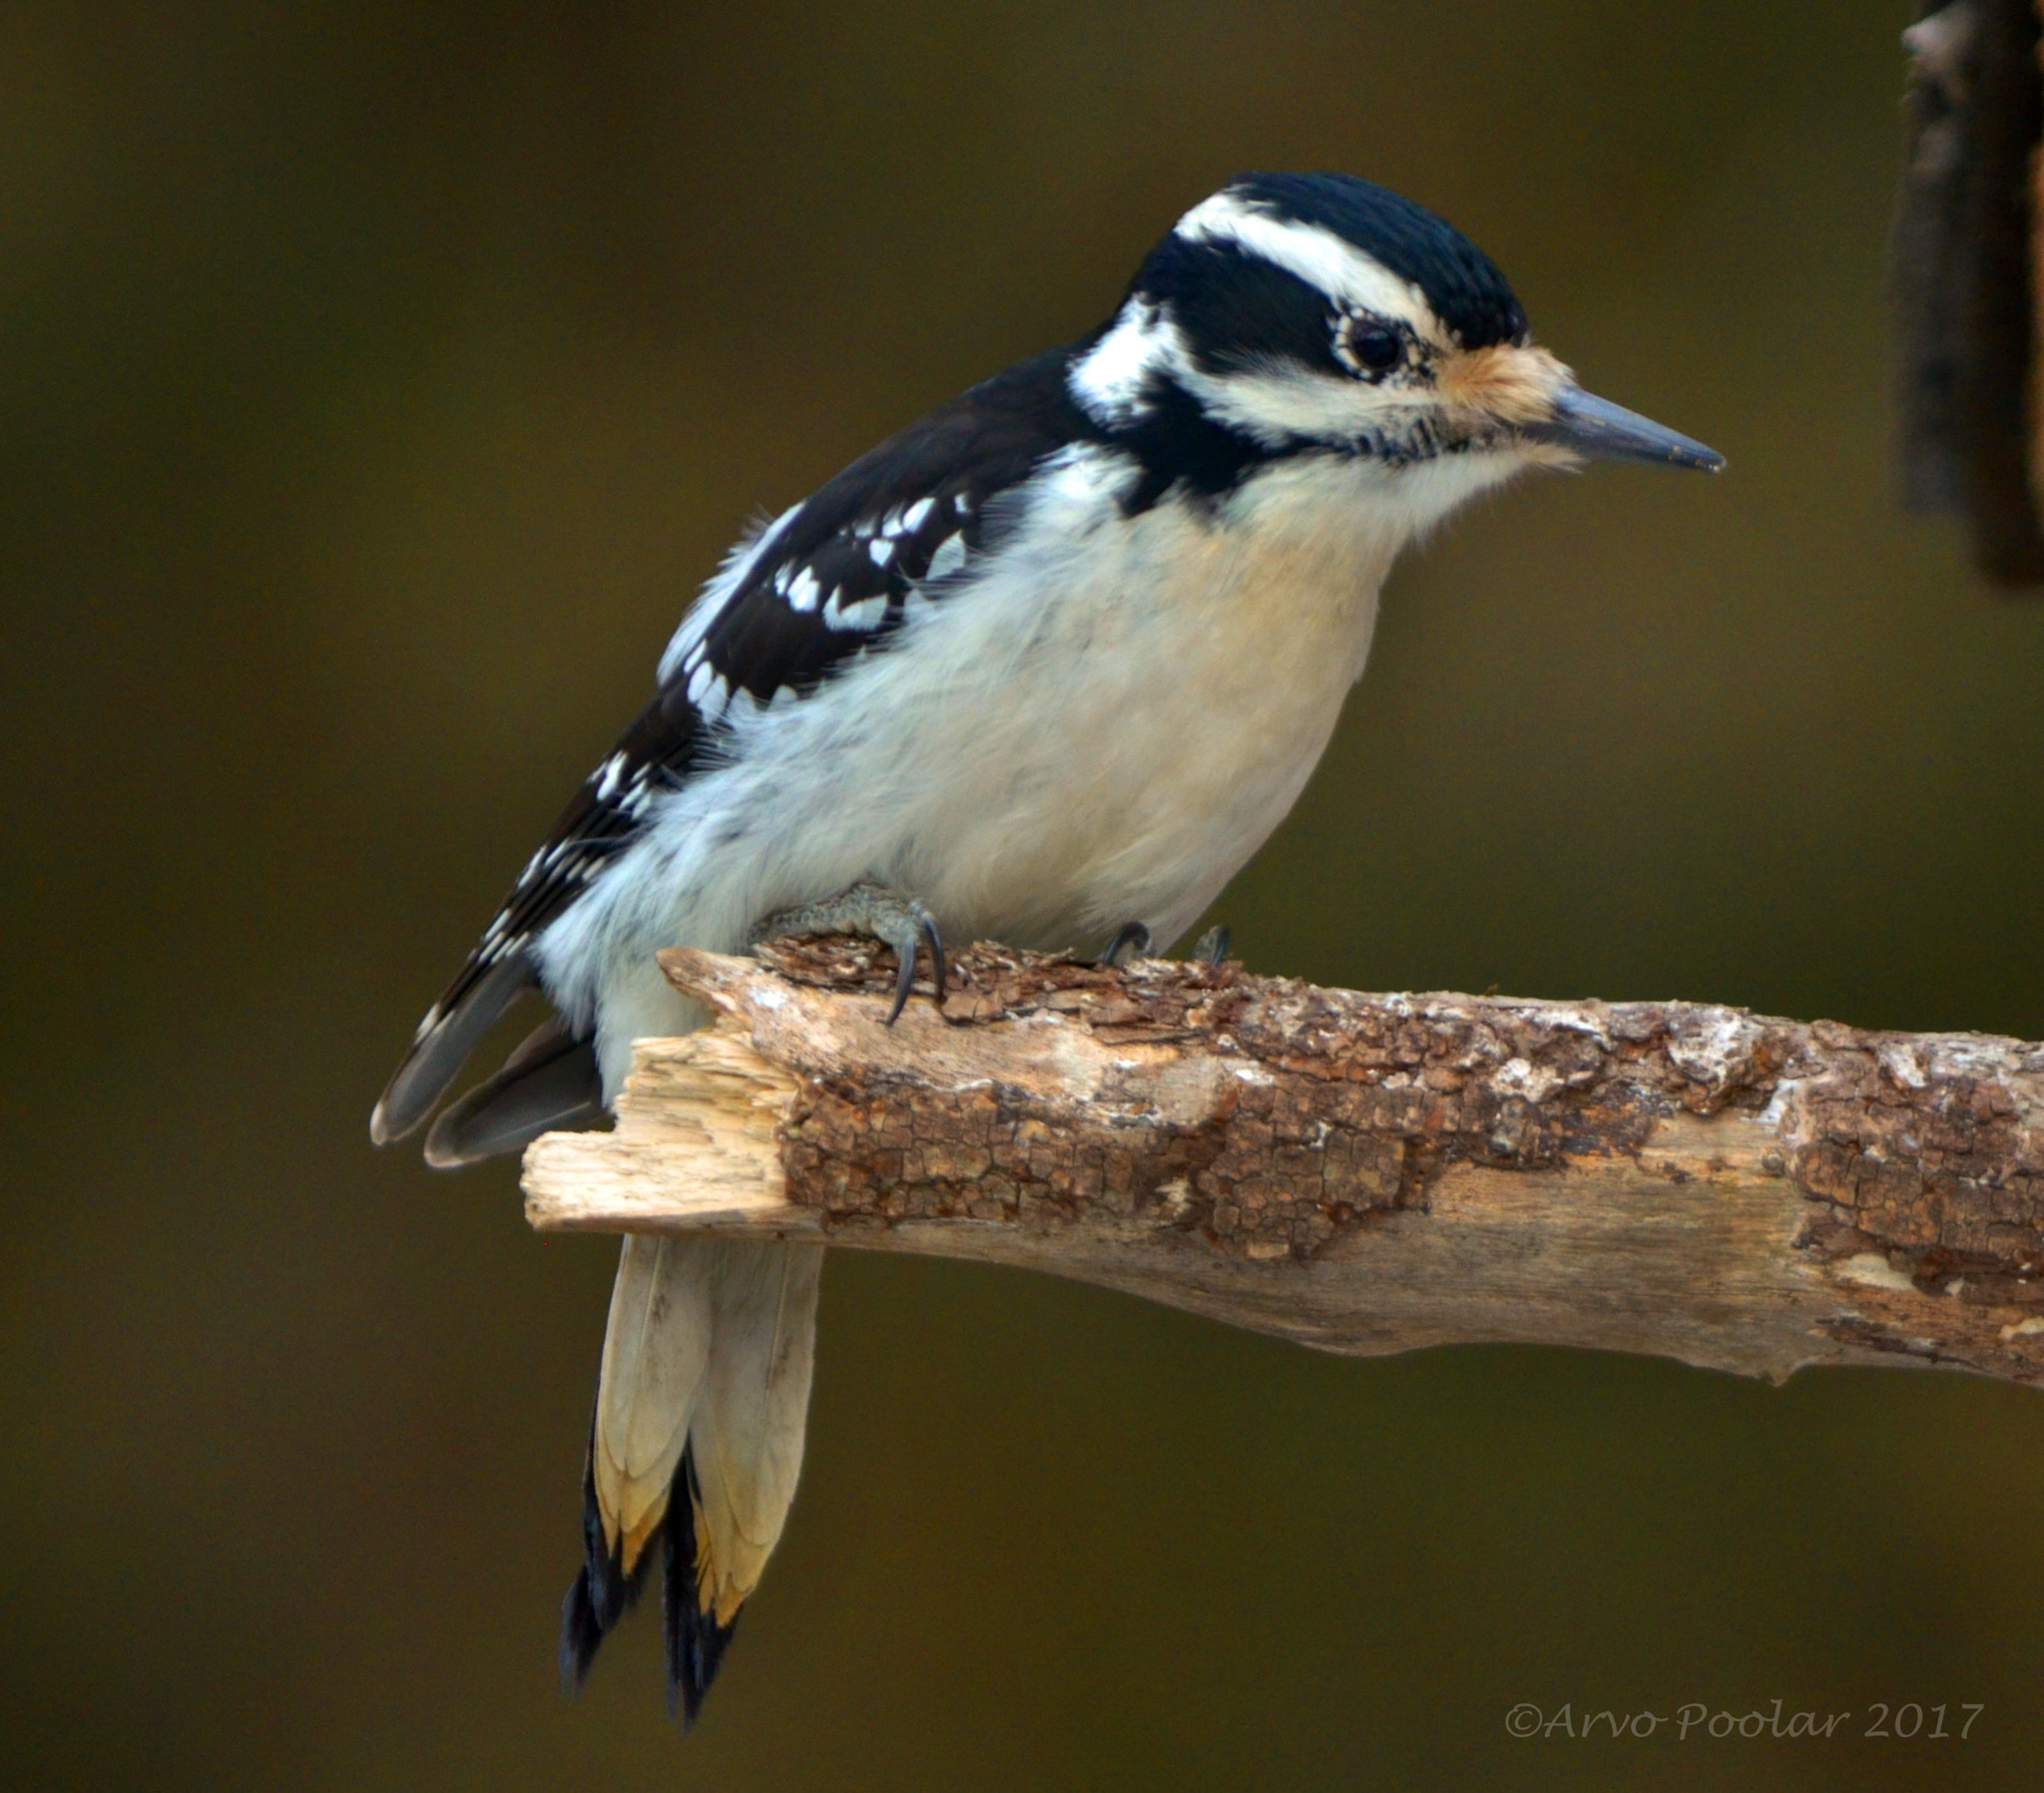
{"x":1374,"y":348}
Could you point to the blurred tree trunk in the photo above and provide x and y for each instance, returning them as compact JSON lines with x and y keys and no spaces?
{"x":1965,"y":260}
{"x":1362,"y":1174}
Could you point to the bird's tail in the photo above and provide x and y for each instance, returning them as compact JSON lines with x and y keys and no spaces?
{"x":697,"y":1441}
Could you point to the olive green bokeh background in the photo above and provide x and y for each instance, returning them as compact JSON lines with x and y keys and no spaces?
{"x":377,"y":382}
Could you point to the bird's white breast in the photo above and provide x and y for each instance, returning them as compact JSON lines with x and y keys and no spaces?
{"x":1119,"y":755}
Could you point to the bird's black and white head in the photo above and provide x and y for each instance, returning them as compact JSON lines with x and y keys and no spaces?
{"x":1318,"y":316}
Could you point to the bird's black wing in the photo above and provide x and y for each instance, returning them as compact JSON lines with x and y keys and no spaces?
{"x":826,"y":583}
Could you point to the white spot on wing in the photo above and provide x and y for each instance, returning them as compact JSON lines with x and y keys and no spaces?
{"x":738,"y":566}
{"x":744,"y":706}
{"x":867,"y":614}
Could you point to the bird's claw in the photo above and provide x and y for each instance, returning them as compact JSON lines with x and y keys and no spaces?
{"x":1133,"y":941}
{"x":1130,"y":941}
{"x":922,"y":927}
{"x":901,"y":922}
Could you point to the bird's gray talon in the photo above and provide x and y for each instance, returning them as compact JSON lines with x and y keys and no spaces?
{"x":1212,"y":946}
{"x":1130,"y":941}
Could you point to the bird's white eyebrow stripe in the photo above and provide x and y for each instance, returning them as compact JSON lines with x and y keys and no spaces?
{"x":1316,"y":254}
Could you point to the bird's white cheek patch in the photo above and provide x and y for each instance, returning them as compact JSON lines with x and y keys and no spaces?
{"x":1279,"y":406}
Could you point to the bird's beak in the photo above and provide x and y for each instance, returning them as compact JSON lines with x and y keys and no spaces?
{"x":1599,"y":430}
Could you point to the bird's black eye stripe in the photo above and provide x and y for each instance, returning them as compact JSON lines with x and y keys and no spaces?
{"x":1370,"y":345}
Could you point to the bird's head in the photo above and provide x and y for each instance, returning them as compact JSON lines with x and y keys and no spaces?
{"x":1319,"y":315}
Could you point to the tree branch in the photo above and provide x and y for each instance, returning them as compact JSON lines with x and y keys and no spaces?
{"x":1361,"y":1174}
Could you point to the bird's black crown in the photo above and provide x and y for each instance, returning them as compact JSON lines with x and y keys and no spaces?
{"x":1465,"y":288}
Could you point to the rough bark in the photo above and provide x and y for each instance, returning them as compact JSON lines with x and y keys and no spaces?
{"x":1366,"y":1174}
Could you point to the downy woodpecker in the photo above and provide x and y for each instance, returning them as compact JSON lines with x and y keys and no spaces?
{"x":1049,"y":665}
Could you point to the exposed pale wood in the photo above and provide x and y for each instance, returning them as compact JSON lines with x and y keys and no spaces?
{"x":1362,"y":1174}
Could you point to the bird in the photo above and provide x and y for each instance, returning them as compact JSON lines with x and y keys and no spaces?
{"x":1045,"y":667}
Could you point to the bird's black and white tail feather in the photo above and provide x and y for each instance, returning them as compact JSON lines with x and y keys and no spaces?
{"x":696,"y":1638}
{"x":603,"y":1593}
{"x":697,"y":1444}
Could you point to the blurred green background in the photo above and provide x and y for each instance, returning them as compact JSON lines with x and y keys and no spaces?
{"x":376,"y":383}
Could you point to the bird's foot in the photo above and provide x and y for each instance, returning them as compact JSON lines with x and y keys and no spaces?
{"x":877,"y":913}
{"x":1132,"y":941}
